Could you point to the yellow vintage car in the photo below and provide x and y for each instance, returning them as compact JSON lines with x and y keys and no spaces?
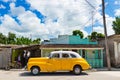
{"x":58,"y":61}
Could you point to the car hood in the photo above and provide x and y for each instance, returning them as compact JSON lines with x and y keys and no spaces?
{"x":38,"y":59}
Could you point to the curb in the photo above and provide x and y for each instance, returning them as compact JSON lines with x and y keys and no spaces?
{"x":104,"y":69}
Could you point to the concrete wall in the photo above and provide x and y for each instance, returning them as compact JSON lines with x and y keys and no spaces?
{"x":111,"y":51}
{"x":5,"y":57}
{"x":114,"y":50}
{"x":117,"y":53}
{"x":62,"y":39}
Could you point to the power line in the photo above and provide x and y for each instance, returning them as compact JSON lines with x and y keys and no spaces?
{"x":91,"y":12}
{"x":89,"y":19}
{"x":90,"y":4}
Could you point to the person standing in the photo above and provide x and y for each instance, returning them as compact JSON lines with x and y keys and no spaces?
{"x":19,"y":61}
{"x":24,"y":58}
{"x":28,"y":55}
{"x":19,"y":58}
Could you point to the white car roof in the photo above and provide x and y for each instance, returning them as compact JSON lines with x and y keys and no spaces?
{"x":69,"y":52}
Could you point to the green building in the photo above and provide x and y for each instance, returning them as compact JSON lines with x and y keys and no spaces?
{"x":89,"y":50}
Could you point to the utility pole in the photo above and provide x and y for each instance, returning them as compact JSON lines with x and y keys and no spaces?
{"x":106,"y":41}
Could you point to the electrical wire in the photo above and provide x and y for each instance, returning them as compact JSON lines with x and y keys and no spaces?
{"x":90,"y":4}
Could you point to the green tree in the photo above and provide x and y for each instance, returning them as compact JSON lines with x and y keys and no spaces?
{"x":3,"y":39}
{"x":78,"y":32}
{"x":27,"y":41}
{"x":23,"y":40}
{"x":96,"y":36}
{"x":18,"y":41}
{"x":36,"y":41}
{"x":11,"y":38}
{"x":116,"y":25}
{"x":100,"y":35}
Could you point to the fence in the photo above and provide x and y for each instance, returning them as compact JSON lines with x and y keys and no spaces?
{"x":95,"y":63}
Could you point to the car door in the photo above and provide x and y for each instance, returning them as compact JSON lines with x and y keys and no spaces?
{"x":66,"y":61}
{"x":54,"y":63}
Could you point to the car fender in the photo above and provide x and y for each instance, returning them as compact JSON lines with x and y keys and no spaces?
{"x":84,"y":65}
{"x":41,"y":65}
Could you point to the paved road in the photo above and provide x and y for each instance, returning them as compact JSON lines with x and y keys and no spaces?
{"x":24,"y":75}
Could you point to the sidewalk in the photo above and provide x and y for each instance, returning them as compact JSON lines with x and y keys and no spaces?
{"x":105,"y":69}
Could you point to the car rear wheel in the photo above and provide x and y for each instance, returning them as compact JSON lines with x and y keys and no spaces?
{"x":35,"y":70}
{"x":77,"y":70}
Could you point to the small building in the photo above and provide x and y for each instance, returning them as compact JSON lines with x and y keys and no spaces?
{"x":114,"y":49}
{"x":34,"y":51}
{"x":89,"y":50}
{"x":5,"y":55}
{"x":9,"y":55}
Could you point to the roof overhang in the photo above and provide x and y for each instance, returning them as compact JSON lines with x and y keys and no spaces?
{"x":70,"y":46}
{"x":28,"y":47}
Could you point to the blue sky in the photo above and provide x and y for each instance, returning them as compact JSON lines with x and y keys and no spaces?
{"x":49,"y":18}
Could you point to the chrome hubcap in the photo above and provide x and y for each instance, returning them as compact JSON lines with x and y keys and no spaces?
{"x":77,"y":70}
{"x":35,"y":71}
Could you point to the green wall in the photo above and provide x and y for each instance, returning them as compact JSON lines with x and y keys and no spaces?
{"x":78,"y":40}
{"x":93,"y":57}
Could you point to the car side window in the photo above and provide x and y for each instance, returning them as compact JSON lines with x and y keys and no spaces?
{"x":56,"y":55}
{"x":64,"y":55}
{"x":73,"y":56}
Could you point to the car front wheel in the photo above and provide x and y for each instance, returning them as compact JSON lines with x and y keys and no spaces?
{"x":77,"y":70}
{"x":35,"y":70}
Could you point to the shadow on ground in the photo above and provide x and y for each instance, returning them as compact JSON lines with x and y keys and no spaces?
{"x":53,"y":74}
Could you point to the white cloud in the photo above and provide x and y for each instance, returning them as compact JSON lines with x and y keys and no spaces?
{"x":69,"y":12}
{"x":99,"y":29}
{"x":70,"y":15}
{"x":117,"y":2}
{"x":16,"y":11}
{"x":117,"y":12}
{"x":2,"y":6}
{"x":28,"y":23}
{"x":8,"y":24}
{"x":5,"y":0}
{"x":109,"y":21}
